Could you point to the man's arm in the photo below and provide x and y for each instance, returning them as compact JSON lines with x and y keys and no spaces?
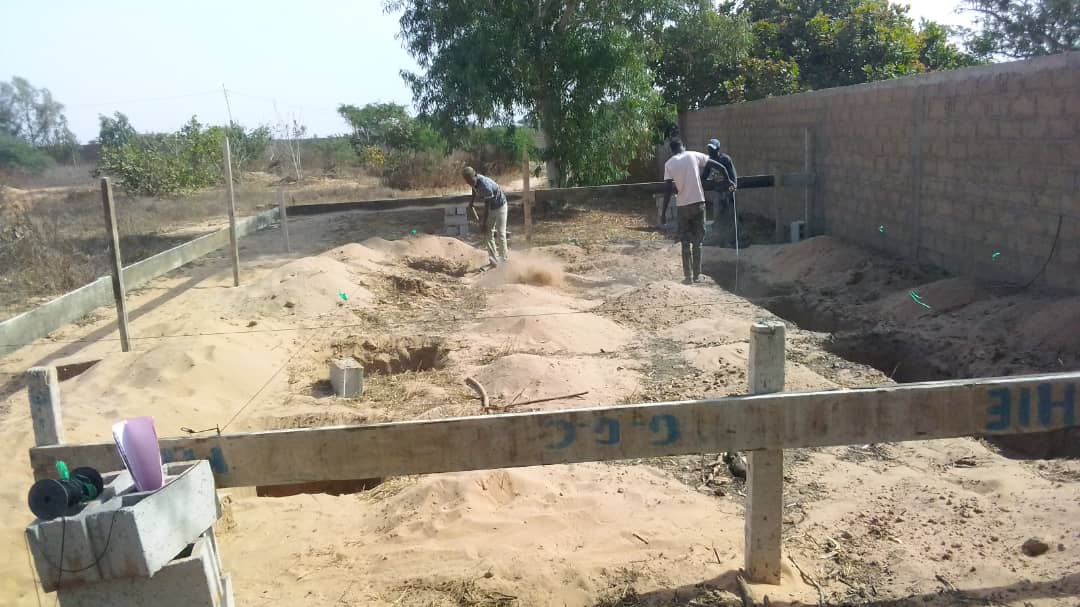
{"x":730,"y":165}
{"x":713,"y":165}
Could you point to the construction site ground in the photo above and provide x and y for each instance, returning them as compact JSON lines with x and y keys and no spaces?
{"x":595,"y":305}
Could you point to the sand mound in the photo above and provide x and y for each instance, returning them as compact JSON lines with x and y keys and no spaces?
{"x":731,"y":360}
{"x":443,"y":247}
{"x":357,"y":257}
{"x":517,"y":296}
{"x":306,"y":288}
{"x":942,"y":296}
{"x":807,"y":260}
{"x":1052,"y":326}
{"x":525,"y":377}
{"x":554,"y":329}
{"x":528,"y":269}
{"x":664,"y":304}
{"x":178,"y":383}
{"x":722,"y":329}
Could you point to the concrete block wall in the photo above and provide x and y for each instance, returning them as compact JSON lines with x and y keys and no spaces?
{"x":956,"y":166}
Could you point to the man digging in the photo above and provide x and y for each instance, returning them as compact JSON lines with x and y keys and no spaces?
{"x":683,"y":172}
{"x":494,"y":214}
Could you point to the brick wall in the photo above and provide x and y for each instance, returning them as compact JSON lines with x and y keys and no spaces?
{"x":956,"y":166}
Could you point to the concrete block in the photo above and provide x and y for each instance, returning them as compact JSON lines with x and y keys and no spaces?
{"x":456,"y":220}
{"x":347,"y":377}
{"x":191,"y":580}
{"x":127,"y":533}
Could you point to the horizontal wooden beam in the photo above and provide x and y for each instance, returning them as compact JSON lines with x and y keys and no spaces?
{"x":1012,"y":405}
{"x":552,"y":194}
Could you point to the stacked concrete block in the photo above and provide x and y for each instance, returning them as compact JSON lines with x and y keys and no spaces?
{"x":127,"y":546}
{"x":669,"y":220}
{"x":347,"y":377}
{"x":456,"y":221}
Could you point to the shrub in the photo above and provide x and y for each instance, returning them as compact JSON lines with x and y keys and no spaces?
{"x":422,"y":170}
{"x":19,"y":156}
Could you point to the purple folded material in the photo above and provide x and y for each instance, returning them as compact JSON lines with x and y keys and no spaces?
{"x":138,"y":444}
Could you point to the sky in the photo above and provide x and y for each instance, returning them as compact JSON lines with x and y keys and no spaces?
{"x":162,"y":62}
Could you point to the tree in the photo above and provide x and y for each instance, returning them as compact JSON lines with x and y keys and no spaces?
{"x":700,"y":50}
{"x":21,"y":156}
{"x":938,"y":52}
{"x":115,"y":132}
{"x":1024,"y":28}
{"x":579,"y":69}
{"x":33,"y":115}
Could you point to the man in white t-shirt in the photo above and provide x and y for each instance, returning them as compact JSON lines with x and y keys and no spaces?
{"x":682,"y":172}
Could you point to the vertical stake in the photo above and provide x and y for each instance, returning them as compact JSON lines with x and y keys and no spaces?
{"x":778,"y":227}
{"x":232,"y":215}
{"x":43,"y":388}
{"x":527,"y":197}
{"x":806,"y":188}
{"x":119,"y":293}
{"x":284,"y":219}
{"x":765,"y":468}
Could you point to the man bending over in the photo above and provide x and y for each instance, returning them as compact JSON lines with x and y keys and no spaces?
{"x":494,"y":217}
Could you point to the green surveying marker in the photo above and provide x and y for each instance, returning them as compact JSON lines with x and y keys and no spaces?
{"x":343,"y":296}
{"x":918,"y":299}
{"x":995,"y":255}
{"x":414,"y":232}
{"x":881,"y":229}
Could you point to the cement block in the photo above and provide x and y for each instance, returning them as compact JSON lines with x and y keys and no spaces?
{"x":456,"y":220}
{"x":193,"y":580}
{"x":127,"y":533}
{"x":347,"y":377}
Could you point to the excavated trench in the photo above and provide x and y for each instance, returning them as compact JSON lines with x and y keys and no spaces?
{"x":897,"y":351}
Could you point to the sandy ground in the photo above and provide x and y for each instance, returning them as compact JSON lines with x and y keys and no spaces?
{"x":938,"y":523}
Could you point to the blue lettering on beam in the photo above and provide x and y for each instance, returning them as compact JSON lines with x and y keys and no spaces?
{"x":610,"y":427}
{"x":568,"y":430}
{"x":1047,"y":404}
{"x":670,"y":425}
{"x":1001,"y":410}
{"x":217,"y":461}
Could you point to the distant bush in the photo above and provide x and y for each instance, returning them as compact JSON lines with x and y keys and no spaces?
{"x":191,"y":158}
{"x":499,"y":150}
{"x":18,"y":156}
{"x":422,"y":170}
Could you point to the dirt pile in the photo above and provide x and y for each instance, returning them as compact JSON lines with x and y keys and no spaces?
{"x":663,"y":304}
{"x":305,"y":288}
{"x":523,"y":377}
{"x":389,"y":355}
{"x":524,"y":268}
{"x":428,"y":247}
{"x":358,"y":258}
{"x":552,"y":329}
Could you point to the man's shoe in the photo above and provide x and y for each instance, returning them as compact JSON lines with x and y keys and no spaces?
{"x":698,"y":279}
{"x":688,"y":281}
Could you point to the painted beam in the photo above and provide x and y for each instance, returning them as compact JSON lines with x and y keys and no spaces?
{"x":1012,"y":405}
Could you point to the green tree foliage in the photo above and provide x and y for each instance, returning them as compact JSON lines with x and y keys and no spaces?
{"x":1025,"y":28}
{"x":389,"y":126}
{"x":700,"y":51}
{"x":115,"y":132}
{"x":582,"y":70}
{"x":160,"y":164}
{"x":19,"y":156}
{"x":33,"y":115}
{"x":938,"y":52}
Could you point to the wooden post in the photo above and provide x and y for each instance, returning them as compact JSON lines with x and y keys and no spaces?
{"x":43,"y":387}
{"x":765,"y":468}
{"x":232,"y":216}
{"x":284,"y":220}
{"x":778,"y":227}
{"x":526,"y":201}
{"x":119,"y":293}
{"x":806,"y":187}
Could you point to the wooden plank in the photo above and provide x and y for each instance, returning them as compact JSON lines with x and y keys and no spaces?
{"x":284,"y":215}
{"x":1013,"y":405}
{"x":765,"y":469}
{"x":116,"y":265}
{"x":526,"y":199}
{"x":43,"y":390}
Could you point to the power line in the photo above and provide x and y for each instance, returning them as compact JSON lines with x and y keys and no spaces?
{"x":142,"y":100}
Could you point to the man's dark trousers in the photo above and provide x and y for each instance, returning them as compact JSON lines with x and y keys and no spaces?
{"x":692,"y":234}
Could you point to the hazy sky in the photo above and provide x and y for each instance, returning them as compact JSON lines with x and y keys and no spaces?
{"x":161,"y":62}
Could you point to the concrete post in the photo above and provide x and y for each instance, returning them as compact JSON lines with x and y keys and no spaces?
{"x":235,"y":247}
{"x":765,"y":468}
{"x":284,"y":220}
{"x":43,"y":388}
{"x":117,"y":266}
{"x":778,"y":222}
{"x":806,"y":187}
